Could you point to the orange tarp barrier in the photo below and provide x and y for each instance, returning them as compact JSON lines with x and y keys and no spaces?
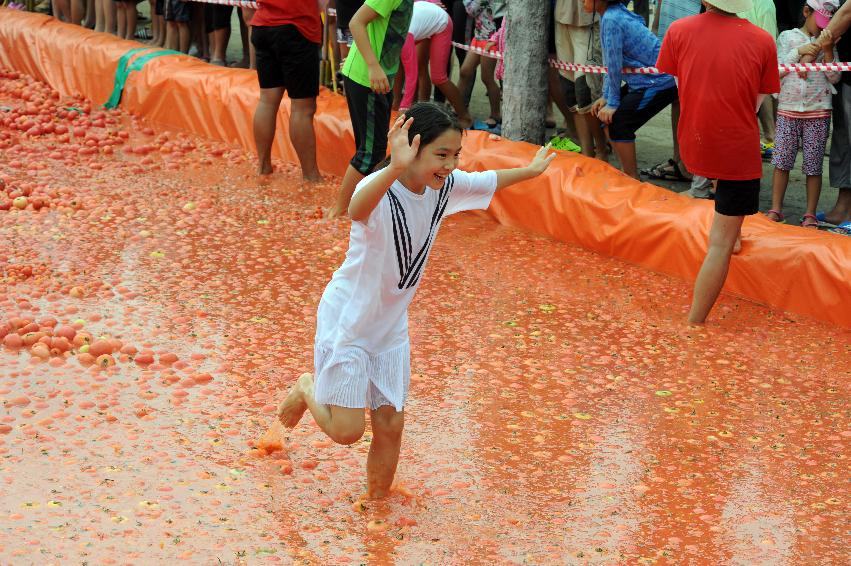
{"x":579,"y":200}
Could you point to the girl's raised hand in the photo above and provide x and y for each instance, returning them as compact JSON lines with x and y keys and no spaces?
{"x":541,"y":160}
{"x":402,"y":152}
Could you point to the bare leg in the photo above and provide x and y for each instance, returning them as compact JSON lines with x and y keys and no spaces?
{"x":62,"y":10}
{"x":778,"y":189}
{"x":155,"y":24}
{"x":341,"y":424}
{"x":130,"y":17}
{"x":626,"y":155}
{"x":350,"y":180}
{"x":183,"y":29}
{"x":91,"y":14}
{"x":109,"y":15}
{"x":467,"y":75}
{"x":161,"y":41}
{"x":387,"y":427}
{"x":77,"y":9}
{"x":598,"y":134}
{"x":722,"y":240}
{"x":100,"y":16}
{"x":583,"y":132}
{"x":453,"y":96}
{"x":247,"y":14}
{"x":172,"y":36}
{"x":494,"y":94}
{"x":121,"y":19}
{"x":303,"y":136}
{"x":219,"y":45}
{"x":841,"y":211}
{"x":557,"y":94}
{"x":265,"y":121}
{"x":813,"y":193}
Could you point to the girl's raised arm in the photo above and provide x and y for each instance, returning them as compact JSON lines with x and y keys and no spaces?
{"x":507,"y":177}
{"x":402,"y":154}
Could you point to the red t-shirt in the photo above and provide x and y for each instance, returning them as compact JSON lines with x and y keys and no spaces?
{"x":303,"y":14}
{"x":722,"y":64}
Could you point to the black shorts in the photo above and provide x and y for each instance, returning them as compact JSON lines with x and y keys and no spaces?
{"x":159,"y":7}
{"x":346,"y":10}
{"x":177,"y":11}
{"x":635,"y":111}
{"x":370,"y":114}
{"x":287,"y":59}
{"x":577,"y":93}
{"x":217,"y":16}
{"x":737,"y":198}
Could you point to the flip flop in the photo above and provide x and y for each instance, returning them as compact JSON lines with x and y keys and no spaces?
{"x":667,"y":171}
{"x":822,"y":218}
{"x":809,"y":221}
{"x":564,"y":144}
{"x":780,"y":218}
{"x":485,"y":127}
{"x":843,"y":229}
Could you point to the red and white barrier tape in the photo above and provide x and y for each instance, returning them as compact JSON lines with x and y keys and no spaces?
{"x":814,"y":67}
{"x":237,"y":3}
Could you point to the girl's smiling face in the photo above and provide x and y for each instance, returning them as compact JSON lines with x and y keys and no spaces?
{"x":436,"y":160}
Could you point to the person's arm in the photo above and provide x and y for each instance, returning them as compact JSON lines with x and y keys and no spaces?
{"x":654,"y":27}
{"x":377,"y":77}
{"x":507,"y":177}
{"x":839,"y":23}
{"x":613,"y":59}
{"x":402,"y":154}
{"x":830,"y":56}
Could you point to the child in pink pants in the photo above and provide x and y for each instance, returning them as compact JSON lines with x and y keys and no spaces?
{"x":431,"y":23}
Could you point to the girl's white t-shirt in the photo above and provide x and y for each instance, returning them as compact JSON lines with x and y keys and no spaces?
{"x":427,"y":20}
{"x":365,"y":304}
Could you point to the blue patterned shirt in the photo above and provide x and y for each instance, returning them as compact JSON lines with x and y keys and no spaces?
{"x":627,"y":42}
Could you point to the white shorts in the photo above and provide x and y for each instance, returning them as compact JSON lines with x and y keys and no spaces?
{"x":351,"y":377}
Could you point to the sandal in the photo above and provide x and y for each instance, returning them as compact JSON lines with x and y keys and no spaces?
{"x":564,"y":144}
{"x":778,"y":216}
{"x":843,"y":229}
{"x":667,"y":171}
{"x":809,"y":221}
{"x":822,"y":218}
{"x":143,"y":33}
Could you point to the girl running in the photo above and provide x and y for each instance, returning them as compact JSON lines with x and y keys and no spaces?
{"x":361,"y":351}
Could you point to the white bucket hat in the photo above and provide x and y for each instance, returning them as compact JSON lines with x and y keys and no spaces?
{"x":732,"y":6}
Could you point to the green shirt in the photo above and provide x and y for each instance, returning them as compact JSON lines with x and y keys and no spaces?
{"x":387,"y":34}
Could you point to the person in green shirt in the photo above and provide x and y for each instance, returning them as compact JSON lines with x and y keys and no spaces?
{"x":379,"y":28}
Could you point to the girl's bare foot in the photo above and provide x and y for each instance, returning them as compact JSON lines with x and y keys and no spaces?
{"x":293,"y":407}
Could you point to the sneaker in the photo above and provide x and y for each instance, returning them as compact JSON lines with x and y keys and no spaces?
{"x":564,"y":144}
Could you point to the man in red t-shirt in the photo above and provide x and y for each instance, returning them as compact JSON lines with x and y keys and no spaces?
{"x":724,"y":67}
{"x":287,"y":38}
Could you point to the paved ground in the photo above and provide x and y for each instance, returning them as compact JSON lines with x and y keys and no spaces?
{"x":654,"y":146}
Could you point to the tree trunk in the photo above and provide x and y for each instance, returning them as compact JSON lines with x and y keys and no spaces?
{"x":524,"y":101}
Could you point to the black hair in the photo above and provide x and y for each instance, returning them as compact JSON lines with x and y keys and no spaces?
{"x":430,"y":121}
